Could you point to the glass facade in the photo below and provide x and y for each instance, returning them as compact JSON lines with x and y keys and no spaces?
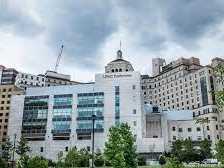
{"x":62,"y":111}
{"x":90,"y":104}
{"x":117,"y":105}
{"x":35,"y":117}
{"x":204,"y":91}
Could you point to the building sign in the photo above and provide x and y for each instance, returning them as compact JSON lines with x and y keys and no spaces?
{"x":116,"y":75}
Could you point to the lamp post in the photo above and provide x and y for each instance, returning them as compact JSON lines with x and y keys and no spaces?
{"x":93,"y":137}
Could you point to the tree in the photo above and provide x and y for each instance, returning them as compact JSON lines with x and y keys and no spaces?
{"x":219,"y":95}
{"x":162,"y":160}
{"x":141,"y":161}
{"x":7,"y":148}
{"x":99,"y":160}
{"x":37,"y":162}
{"x":120,"y":149}
{"x":22,"y":149}
{"x":173,"y":162}
{"x":72,"y":158}
{"x":176,"y":149}
{"x":220,"y":151}
{"x":3,"y":164}
{"x":84,"y":157}
{"x":205,"y":149}
{"x":184,"y":151}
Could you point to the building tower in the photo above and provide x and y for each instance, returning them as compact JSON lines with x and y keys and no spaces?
{"x":119,"y":64}
{"x":157,"y":64}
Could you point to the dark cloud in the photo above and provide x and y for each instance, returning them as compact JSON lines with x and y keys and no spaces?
{"x":142,"y":19}
{"x":82,"y":26}
{"x":14,"y":20}
{"x":189,"y":20}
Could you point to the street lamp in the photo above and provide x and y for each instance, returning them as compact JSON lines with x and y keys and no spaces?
{"x":93,"y":137}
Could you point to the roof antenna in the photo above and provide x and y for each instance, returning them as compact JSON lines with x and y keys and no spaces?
{"x":119,"y":52}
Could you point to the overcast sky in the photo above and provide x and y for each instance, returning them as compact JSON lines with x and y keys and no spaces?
{"x":31,"y":32}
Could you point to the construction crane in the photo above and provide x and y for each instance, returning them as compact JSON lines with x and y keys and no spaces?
{"x":59,"y":58}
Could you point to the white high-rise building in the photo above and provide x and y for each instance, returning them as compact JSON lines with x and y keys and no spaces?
{"x":159,"y":109}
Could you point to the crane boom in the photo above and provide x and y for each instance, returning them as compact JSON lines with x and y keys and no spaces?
{"x":59,"y":58}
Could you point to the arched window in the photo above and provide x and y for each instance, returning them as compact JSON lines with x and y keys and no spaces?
{"x":126,"y":70}
{"x":120,"y":70}
{"x":112,"y":70}
{"x":116,"y":70}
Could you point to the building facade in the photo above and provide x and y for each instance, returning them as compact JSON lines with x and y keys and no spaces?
{"x":160,"y":109}
{"x":185,"y":84}
{"x":6,"y":92}
{"x":8,"y":76}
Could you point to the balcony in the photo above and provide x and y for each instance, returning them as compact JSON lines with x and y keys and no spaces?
{"x":61,"y":134}
{"x":89,"y":130}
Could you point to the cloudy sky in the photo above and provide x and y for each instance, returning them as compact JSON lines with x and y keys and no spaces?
{"x":31,"y":32}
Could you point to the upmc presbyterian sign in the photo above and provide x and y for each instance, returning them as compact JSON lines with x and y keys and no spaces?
{"x":116,"y":75}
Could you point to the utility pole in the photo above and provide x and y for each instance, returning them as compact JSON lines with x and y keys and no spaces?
{"x":13,"y":152}
{"x":93,"y":137}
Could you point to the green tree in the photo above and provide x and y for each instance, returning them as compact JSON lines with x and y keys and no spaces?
{"x":72,"y":158}
{"x":7,"y":148}
{"x":84,"y":157}
{"x":220,"y":151}
{"x":22,"y":149}
{"x":205,"y":149}
{"x":184,"y":151}
{"x":99,"y":160}
{"x":177,"y":149}
{"x":162,"y":160}
{"x":120,"y":149}
{"x":37,"y":162}
{"x":219,"y":95}
{"x":3,"y":163}
{"x":173,"y":162}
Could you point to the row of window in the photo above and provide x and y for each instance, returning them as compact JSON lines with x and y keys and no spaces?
{"x":190,"y":129}
{"x":6,"y":90}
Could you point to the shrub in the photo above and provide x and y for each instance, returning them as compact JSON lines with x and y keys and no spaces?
{"x":37,"y":162}
{"x":162,"y":160}
{"x":3,"y":164}
{"x":173,"y":162}
{"x":99,"y":160}
{"x":141,"y":161}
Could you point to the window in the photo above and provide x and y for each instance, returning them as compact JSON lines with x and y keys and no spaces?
{"x":174,"y":137}
{"x":66,"y":149}
{"x":217,"y":127}
{"x":41,"y":149}
{"x":174,"y":128}
{"x":198,"y":129}
{"x":180,"y":129}
{"x":208,"y":128}
{"x":134,"y":111}
{"x":88,"y":148}
{"x":135,"y":123}
{"x":3,"y":96}
{"x":189,"y":129}
{"x":133,"y":87}
{"x":209,"y":137}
